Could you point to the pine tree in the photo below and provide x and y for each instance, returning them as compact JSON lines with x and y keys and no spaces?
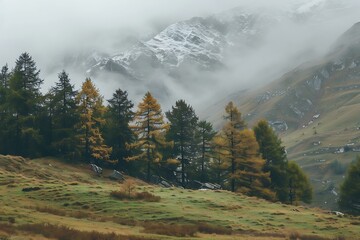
{"x":231,"y":134}
{"x":183,"y":123}
{"x":299,"y":185}
{"x":149,"y":127}
{"x":118,"y":132}
{"x":62,"y":116}
{"x":274,"y":154}
{"x":350,"y":189}
{"x":206,"y":134}
{"x":91,"y":110}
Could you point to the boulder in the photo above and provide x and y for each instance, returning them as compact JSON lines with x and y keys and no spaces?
{"x":96,"y":169}
{"x":165,"y":184}
{"x":116,"y":175}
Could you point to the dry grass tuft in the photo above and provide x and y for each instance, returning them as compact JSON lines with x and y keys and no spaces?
{"x":170,"y":229}
{"x":65,"y":233}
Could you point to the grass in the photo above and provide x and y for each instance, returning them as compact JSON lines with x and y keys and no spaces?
{"x":71,"y":198}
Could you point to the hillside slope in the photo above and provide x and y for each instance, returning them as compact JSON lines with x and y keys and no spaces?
{"x":315,"y":109}
{"x":71,"y":198}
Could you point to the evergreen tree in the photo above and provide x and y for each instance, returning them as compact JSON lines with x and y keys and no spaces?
{"x":350,"y":189}
{"x":299,"y":185}
{"x":4,"y":77}
{"x":91,"y":110}
{"x":118,"y":132}
{"x":149,"y":127}
{"x":24,"y":102}
{"x":29,"y":75}
{"x":4,"y":89}
{"x":183,"y":123}
{"x":206,"y":134}
{"x":274,"y":154}
{"x":62,"y":116}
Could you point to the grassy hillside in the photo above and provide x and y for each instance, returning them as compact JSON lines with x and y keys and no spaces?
{"x":63,"y":200}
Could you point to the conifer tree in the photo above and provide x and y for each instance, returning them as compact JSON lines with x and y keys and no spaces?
{"x":91,"y":111}
{"x":206,"y":134}
{"x":4,"y":89}
{"x":149,"y":128}
{"x":249,"y":173}
{"x":4,"y":77}
{"x":219,"y":163}
{"x":118,"y":132}
{"x":350,"y":189}
{"x":274,"y":154}
{"x":299,"y":185}
{"x":63,"y":115}
{"x":24,"y":101}
{"x":183,"y":123}
{"x":231,"y":135}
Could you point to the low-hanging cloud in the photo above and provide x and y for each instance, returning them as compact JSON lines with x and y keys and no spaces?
{"x":49,"y":30}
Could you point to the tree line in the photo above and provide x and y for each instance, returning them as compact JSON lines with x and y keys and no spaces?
{"x":142,"y":141}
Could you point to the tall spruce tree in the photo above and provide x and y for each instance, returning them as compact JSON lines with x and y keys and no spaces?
{"x":4,"y":89}
{"x":274,"y":153}
{"x":91,"y":111}
{"x":183,"y":124}
{"x":118,"y":133}
{"x":206,"y":134}
{"x":24,"y":101}
{"x":149,"y":128}
{"x":62,"y":116}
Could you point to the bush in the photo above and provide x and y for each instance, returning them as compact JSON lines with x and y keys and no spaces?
{"x":142,"y":196}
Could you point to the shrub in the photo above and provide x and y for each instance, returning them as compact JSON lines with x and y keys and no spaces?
{"x":210,"y":229}
{"x":144,"y":196}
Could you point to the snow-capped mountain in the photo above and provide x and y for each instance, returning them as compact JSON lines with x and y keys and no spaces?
{"x":199,"y":42}
{"x":202,"y":42}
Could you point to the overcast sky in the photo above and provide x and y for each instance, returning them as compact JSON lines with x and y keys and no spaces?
{"x":48,"y":29}
{"x":43,"y":27}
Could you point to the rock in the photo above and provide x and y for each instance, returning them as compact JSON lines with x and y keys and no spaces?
{"x":165,"y":184}
{"x":337,"y":213}
{"x":116,"y":175}
{"x":96,"y":169}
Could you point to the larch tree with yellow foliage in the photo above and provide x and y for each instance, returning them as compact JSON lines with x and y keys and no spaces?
{"x":91,"y":111}
{"x":150,"y":128}
{"x":219,"y":163}
{"x":249,"y":172}
{"x":231,"y":139}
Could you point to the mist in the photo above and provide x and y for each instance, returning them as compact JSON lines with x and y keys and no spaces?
{"x":51,"y":30}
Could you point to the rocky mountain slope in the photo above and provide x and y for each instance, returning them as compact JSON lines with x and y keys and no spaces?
{"x":200,"y":42}
{"x":315,"y":109}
